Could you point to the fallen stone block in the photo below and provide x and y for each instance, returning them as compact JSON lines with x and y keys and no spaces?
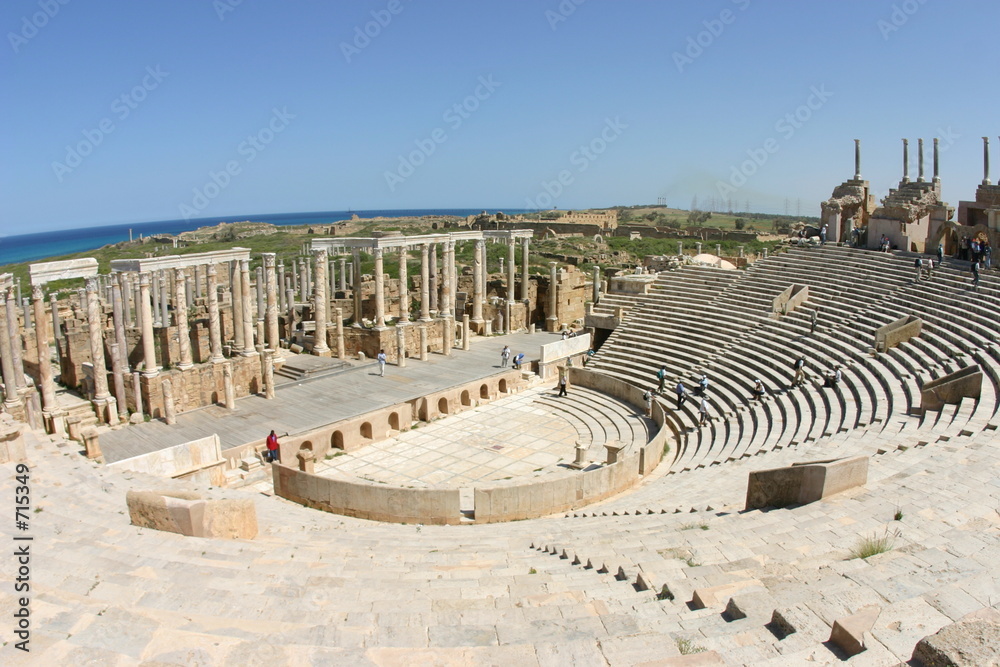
{"x":849,"y":632}
{"x":967,"y":643}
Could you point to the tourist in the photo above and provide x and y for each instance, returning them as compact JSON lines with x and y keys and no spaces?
{"x":987,"y":255}
{"x":855,"y":237}
{"x":681,"y":393}
{"x":822,"y":234}
{"x":647,"y":396}
{"x":565,"y":334}
{"x":702,"y":385}
{"x":381,"y":363}
{"x":563,"y":381}
{"x":975,"y":275}
{"x":800,"y":371}
{"x":940,"y":254}
{"x":661,"y":375}
{"x":758,"y":390}
{"x":832,"y":379}
{"x":272,"y":448}
{"x":813,"y":319}
{"x":703,"y":410}
{"x":918,"y":264}
{"x":504,"y":356}
{"x":518,"y":359}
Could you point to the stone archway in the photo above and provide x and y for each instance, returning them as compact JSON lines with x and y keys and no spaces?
{"x":337,"y":440}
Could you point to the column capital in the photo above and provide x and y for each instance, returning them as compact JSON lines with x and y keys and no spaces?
{"x":36,"y":292}
{"x":319,"y":253}
{"x":92,"y":284}
{"x":269,"y":259}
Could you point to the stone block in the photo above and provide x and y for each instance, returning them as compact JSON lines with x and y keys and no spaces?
{"x":712,"y":597}
{"x":804,"y":483}
{"x":848,"y":633}
{"x":188,"y":514}
{"x":971,"y":642}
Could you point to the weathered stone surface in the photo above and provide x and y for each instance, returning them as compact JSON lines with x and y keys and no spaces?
{"x":849,"y":632}
{"x":968,"y":643}
{"x":187,"y":513}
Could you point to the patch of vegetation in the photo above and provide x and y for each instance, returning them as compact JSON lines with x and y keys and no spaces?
{"x":692,"y":526}
{"x":687,"y":647}
{"x":898,"y":516}
{"x":532,"y":571}
{"x":871,"y":545}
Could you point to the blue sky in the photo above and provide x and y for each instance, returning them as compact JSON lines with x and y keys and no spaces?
{"x":121,"y":111}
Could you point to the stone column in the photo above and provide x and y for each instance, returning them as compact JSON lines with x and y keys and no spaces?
{"x":164,"y":300}
{"x":150,"y":368}
{"x":857,"y":159}
{"x":304,"y":279}
{"x":448,"y":339}
{"x":119,"y":369}
{"x":920,"y":160}
{"x":268,"y":374}
{"x":214,"y":325}
{"x":465,"y":331}
{"x":425,"y":283}
{"x":189,"y":288}
{"x":197,"y":282}
{"x":236,"y":297}
{"x":156,"y":301}
{"x":343,"y":274}
{"x":227,"y":386}
{"x":597,"y":284}
{"x":432,"y":284}
{"x":986,"y":161}
{"x":137,"y":392}
{"x":338,"y":315}
{"x":379,"y":290}
{"x":102,"y":397}
{"x":453,"y":267}
{"x":937,"y":175}
{"x":320,"y":305}
{"x":423,"y":342}
{"x":293,"y":271}
{"x":54,"y":306}
{"x":401,"y":346}
{"x":906,"y":160}
{"x":259,"y":286}
{"x":404,"y":288}
{"x":553,"y":318}
{"x":181,"y":319}
{"x":331,"y":273}
{"x":44,"y":363}
{"x":117,"y":305}
{"x":271,"y":314}
{"x":281,"y":287}
{"x":511,"y":251}
{"x":14,"y":331}
{"x":356,"y":284}
{"x":169,"y":413}
{"x":248,"y":348}
{"x":290,"y":315}
{"x":477,"y":282}
{"x":525,"y":244}
{"x":12,"y":399}
{"x":126,"y":296}
{"x":137,"y":302}
{"x":445,"y":305}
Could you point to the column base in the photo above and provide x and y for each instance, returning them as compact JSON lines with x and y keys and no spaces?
{"x":249,"y":353}
{"x":217,"y":360}
{"x":55,"y":422}
{"x":184,"y":367}
{"x":552,"y":324}
{"x":326,"y":352}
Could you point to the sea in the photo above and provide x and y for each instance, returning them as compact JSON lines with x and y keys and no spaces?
{"x":33,"y":247}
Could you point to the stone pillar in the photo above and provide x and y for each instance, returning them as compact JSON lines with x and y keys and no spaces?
{"x":54,"y":306}
{"x":281,"y":287}
{"x":448,"y":331}
{"x":181,"y":319}
{"x":920,"y":160}
{"x":356,"y":284}
{"x":14,"y":331}
{"x":148,"y":345}
{"x":137,"y":392}
{"x":44,"y":363}
{"x":906,"y":160}
{"x":423,"y":342}
{"x":449,"y":249}
{"x":271,"y":334}
{"x":857,"y":159}
{"x":331,"y":274}
{"x":525,"y":245}
{"x":401,"y":346}
{"x":248,"y":348}
{"x":511,"y":252}
{"x":597,"y":284}
{"x":477,"y":282}
{"x":404,"y":288}
{"x":12,"y":399}
{"x":553,"y":318}
{"x":119,"y":369}
{"x":227,"y":386}
{"x":197,"y":282}
{"x":137,"y":302}
{"x":169,"y":412}
{"x":268,"y":374}
{"x":304,"y":279}
{"x":259,"y":287}
{"x":320,"y":305}
{"x":465,"y":331}
{"x":126,"y":296}
{"x":102,"y":397}
{"x":433,"y":282}
{"x":454,"y":280}
{"x":425,"y":283}
{"x":164,"y":301}
{"x":214,"y":325}
{"x":937,"y":175}
{"x":986,"y":161}
{"x":156,"y":300}
{"x":343,"y":274}
{"x":508,"y":312}
{"x":236,"y":296}
{"x":338,"y":314}
{"x":697,"y":247}
{"x":189,"y":288}
{"x":379,"y":290}
{"x":290,"y":315}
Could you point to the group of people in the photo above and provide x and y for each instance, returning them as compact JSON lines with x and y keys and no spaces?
{"x":975,"y":250}
{"x":505,"y":357}
{"x":681,"y":392}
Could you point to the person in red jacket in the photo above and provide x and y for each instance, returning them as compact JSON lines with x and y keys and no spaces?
{"x":272,"y":448}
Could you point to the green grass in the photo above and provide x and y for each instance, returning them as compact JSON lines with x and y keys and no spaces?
{"x":687,"y":647}
{"x":871,"y":545}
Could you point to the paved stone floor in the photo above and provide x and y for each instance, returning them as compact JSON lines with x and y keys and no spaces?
{"x":512,"y":437}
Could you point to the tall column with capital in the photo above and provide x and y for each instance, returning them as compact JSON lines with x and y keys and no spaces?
{"x":281,"y":287}
{"x":156,"y":300}
{"x":42,"y":347}
{"x":118,"y":370}
{"x":125,"y":294}
{"x":320,"y":305}
{"x":102,"y":396}
{"x":14,"y":331}
{"x":117,"y":306}
{"x":432,"y":284}
{"x":510,"y":269}
{"x":271,"y":313}
{"x":248,"y":348}
{"x":906,"y":160}
{"x":857,"y":159}
{"x":259,"y":288}
{"x":525,"y":243}
{"x":343,"y":274}
{"x":404,"y":287}
{"x":425,"y":280}
{"x":12,"y":399}
{"x":181,"y":319}
{"x":920,"y":160}
{"x":148,"y":345}
{"x":553,"y":318}
{"x":356,"y":284}
{"x":445,"y":305}
{"x":477,"y":282}
{"x":379,"y":290}
{"x":236,"y":297}
{"x":937,"y":175}
{"x":338,"y":315}
{"x":164,"y":300}
{"x":214,"y":324}
{"x":986,"y":161}
{"x":454,"y":281}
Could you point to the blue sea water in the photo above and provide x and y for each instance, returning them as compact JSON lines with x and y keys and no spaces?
{"x":31,"y":247}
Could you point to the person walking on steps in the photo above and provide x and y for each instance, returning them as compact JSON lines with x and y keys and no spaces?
{"x":681,"y":393}
{"x":703,"y":410}
{"x":272,"y":448}
{"x":504,"y":356}
{"x":562,"y":384}
{"x":813,"y":319}
{"x":702,"y":385}
{"x":940,"y":254}
{"x":975,"y":275}
{"x":647,"y":396}
{"x":661,"y":376}
{"x":800,"y":371}
{"x":381,"y":363}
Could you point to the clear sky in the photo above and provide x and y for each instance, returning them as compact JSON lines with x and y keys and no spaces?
{"x":120,"y":111}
